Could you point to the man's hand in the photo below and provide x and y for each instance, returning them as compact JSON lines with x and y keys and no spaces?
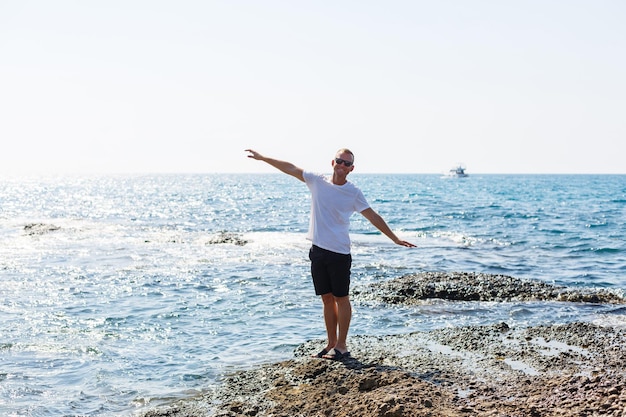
{"x":404,"y":243}
{"x":254,"y":155}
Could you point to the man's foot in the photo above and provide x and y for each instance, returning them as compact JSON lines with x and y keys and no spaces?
{"x":336,"y":355}
{"x":321,"y":354}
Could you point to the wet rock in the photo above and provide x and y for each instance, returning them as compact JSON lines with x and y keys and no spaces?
{"x":39,"y":228}
{"x":467,"y":286}
{"x":227,"y":237}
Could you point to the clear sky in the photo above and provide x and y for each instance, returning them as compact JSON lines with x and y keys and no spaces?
{"x":128,"y":86}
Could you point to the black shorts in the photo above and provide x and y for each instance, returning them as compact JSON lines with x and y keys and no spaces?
{"x":330,"y":271}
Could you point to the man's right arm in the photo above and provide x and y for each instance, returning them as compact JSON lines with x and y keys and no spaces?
{"x":284,"y":166}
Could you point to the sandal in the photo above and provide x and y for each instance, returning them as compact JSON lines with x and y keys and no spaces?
{"x":321,"y":354}
{"x":335,"y":355}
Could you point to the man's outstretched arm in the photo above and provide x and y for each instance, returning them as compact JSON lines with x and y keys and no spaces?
{"x":381,"y":225}
{"x":284,"y":166}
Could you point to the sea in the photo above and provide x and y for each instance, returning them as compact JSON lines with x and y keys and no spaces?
{"x":124,"y":292}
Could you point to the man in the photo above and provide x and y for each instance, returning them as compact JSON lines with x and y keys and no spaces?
{"x":333,"y":202}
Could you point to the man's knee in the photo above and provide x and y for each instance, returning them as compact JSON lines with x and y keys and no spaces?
{"x":328,"y":298}
{"x":342,"y":300}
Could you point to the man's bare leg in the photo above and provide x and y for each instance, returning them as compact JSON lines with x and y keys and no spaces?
{"x":344,"y":316}
{"x":330,"y":319}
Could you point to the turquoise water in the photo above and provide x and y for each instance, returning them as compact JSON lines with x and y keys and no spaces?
{"x":119,"y":298}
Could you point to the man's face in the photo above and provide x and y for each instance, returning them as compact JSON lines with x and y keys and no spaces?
{"x":344,"y":163}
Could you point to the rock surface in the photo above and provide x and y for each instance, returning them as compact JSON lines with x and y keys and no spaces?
{"x":466,"y":286}
{"x":32,"y":229}
{"x":575,"y":369}
{"x":227,"y":237}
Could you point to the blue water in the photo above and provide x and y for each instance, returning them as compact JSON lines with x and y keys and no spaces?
{"x":127,"y":303}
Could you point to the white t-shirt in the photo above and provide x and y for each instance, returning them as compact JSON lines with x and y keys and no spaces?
{"x":331,"y":208}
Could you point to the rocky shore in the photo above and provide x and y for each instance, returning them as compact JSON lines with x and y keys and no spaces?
{"x":465,"y":286}
{"x":575,"y":369}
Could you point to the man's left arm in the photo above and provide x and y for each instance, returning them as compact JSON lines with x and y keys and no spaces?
{"x":382,"y":225}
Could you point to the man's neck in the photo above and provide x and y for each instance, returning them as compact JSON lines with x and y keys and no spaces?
{"x":339,"y":180}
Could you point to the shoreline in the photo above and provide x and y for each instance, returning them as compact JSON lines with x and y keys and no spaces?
{"x":496,"y":370}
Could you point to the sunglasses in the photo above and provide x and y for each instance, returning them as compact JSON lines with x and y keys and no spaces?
{"x":343,"y":161}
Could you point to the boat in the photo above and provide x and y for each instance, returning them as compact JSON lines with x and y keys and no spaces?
{"x":457,"y":171}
